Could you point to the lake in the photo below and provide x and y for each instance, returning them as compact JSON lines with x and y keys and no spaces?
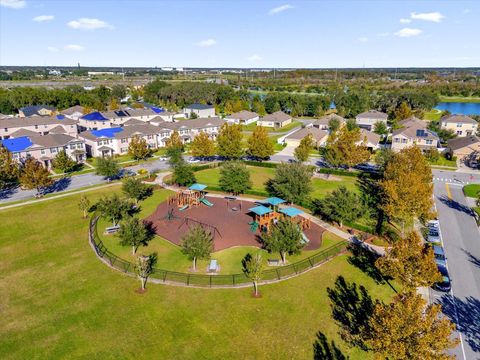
{"x":468,"y":108}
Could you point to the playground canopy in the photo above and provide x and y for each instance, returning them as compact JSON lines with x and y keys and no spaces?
{"x":260,"y":210}
{"x":273,"y":201}
{"x":291,"y":211}
{"x":197,"y":187}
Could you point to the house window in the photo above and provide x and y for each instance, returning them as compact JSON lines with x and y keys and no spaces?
{"x":42,"y":151}
{"x":150,"y":137}
{"x":124,"y":140}
{"x":6,"y":129}
{"x":404,"y":141}
{"x":429,"y":142}
{"x":53,"y":150}
{"x":36,"y":127}
{"x":79,"y":146}
{"x":123,"y":150}
{"x":459,"y":125}
{"x":459,"y":132}
{"x":72,"y":146}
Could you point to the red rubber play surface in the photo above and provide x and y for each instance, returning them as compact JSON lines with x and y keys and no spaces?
{"x":230,"y":227}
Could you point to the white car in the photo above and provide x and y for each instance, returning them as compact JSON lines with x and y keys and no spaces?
{"x":433,"y":224}
{"x":433,"y":235}
{"x":193,"y":161}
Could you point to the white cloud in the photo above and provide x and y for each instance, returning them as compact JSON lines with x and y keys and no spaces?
{"x":255,"y":58}
{"x":43,"y":18}
{"x":280,"y":8}
{"x":384,"y":34}
{"x":432,"y":16}
{"x":14,"y":4}
{"x":52,"y":49}
{"x":363,"y":39}
{"x":207,"y":43}
{"x":89,"y":24}
{"x":405,"y":21}
{"x":73,"y":47}
{"x":408,"y":32}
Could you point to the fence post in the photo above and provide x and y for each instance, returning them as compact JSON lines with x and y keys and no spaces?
{"x":295,"y":268}
{"x":210,"y":279}
{"x":310,"y":261}
{"x":188,"y":279}
{"x":278,"y":274}
{"x":233,"y":280}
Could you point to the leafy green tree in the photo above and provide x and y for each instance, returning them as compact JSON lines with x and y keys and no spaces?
{"x":134,"y":233}
{"x":334,"y":124}
{"x":234,"y":177}
{"x":107,"y":166}
{"x":229,"y":141}
{"x":403,"y":111}
{"x":346,"y":147}
{"x":193,"y":115}
{"x":408,"y":328}
{"x":63,"y":162}
{"x":183,"y":174}
{"x":135,"y":189}
{"x":284,"y":237}
{"x":138,"y":148}
{"x":252,"y":268}
{"x":144,"y":267}
{"x":84,"y":205}
{"x":341,"y":205}
{"x":9,"y":169}
{"x":113,"y":208}
{"x":34,"y":175}
{"x":302,"y":151}
{"x":292,"y":182}
{"x":259,"y":145}
{"x":197,"y":244}
{"x":409,"y":261}
{"x":174,"y":147}
{"x":119,"y":91}
{"x":383,"y":157}
{"x":380,"y":128}
{"x":351,"y":124}
{"x":202,"y":146}
{"x":432,"y":155}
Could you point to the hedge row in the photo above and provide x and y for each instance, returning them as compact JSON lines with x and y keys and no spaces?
{"x":339,"y":172}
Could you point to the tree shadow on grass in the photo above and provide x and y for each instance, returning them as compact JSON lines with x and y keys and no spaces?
{"x":456,"y":205}
{"x":324,"y":350}
{"x":465,"y":314}
{"x":352,"y":307}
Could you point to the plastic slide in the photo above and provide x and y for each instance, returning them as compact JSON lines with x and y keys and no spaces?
{"x":184,"y":207}
{"x":305,"y":240}
{"x":253,"y":226}
{"x":206,"y":202}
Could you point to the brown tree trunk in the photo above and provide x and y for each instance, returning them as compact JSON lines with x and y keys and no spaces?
{"x":284,"y":256}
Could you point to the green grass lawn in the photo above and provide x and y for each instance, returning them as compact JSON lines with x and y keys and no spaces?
{"x":322,"y":187}
{"x":60,"y":301}
{"x":459,"y":99}
{"x":442,"y":161}
{"x":433,"y":114}
{"x":471,"y":190}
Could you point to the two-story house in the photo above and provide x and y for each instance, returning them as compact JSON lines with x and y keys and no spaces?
{"x":36,"y":110}
{"x":414,"y":133}
{"x":368,"y":119}
{"x":93,"y":121}
{"x":37,"y":125}
{"x":74,"y":112}
{"x":191,"y":128}
{"x":200,"y":110}
{"x":461,"y":125}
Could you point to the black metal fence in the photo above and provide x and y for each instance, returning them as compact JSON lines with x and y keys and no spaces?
{"x":197,"y":280}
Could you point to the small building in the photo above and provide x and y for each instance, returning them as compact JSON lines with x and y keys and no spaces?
{"x":201,"y":110}
{"x":465,"y":147}
{"x":319,"y":136}
{"x":276,"y":120}
{"x":323,"y":122}
{"x":74,"y":112}
{"x":370,"y":139}
{"x":243,"y":117}
{"x":414,"y":133}
{"x":461,"y":125}
{"x":36,"y":110}
{"x":368,"y":119}
{"x":93,"y":121}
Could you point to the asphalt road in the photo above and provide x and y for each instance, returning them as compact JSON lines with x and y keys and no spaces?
{"x":461,"y":239}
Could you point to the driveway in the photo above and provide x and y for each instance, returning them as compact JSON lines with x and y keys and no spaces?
{"x":461,"y":239}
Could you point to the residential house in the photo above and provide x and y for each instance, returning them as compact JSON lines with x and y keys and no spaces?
{"x":465,"y":147}
{"x":368,"y":119}
{"x":191,"y":128}
{"x":40,"y":125}
{"x":243,"y":117}
{"x":276,"y":120}
{"x":36,"y":110}
{"x":461,"y":125}
{"x":370,"y":139}
{"x":414,"y":133}
{"x":118,"y":117}
{"x":319,"y":137}
{"x":201,"y":110}
{"x":323,"y":122}
{"x":45,"y":148}
{"x":74,"y":112}
{"x":93,"y":121}
{"x":167,"y":116}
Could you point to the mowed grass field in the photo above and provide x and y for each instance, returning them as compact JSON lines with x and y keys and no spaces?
{"x":59,"y":301}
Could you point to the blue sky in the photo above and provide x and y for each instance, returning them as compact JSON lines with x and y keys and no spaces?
{"x":321,"y":34}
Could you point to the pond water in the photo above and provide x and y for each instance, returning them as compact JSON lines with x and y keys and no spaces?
{"x":468,"y":108}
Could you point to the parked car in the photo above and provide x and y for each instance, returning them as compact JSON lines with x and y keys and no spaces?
{"x":445,"y":284}
{"x":193,"y":160}
{"x":163,"y":158}
{"x":439,"y":253}
{"x":433,"y":235}
{"x":435,"y":224}
{"x":366,"y":167}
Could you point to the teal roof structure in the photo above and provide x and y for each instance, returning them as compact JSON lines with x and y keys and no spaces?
{"x":291,"y":211}
{"x":197,"y":187}
{"x":274,"y":201}
{"x":260,"y":210}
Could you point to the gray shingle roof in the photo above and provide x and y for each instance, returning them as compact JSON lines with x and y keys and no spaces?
{"x":72,"y":110}
{"x":372,"y":114}
{"x":34,"y":109}
{"x":243,"y":115}
{"x":278,"y":116}
{"x":34,"y":120}
{"x":199,"y":123}
{"x":52,"y":140}
{"x":199,"y":106}
{"x":461,"y":142}
{"x":458,"y":119}
{"x":324,"y":120}
{"x":317,"y":134}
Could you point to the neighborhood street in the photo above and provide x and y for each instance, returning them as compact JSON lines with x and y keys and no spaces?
{"x":461,"y":239}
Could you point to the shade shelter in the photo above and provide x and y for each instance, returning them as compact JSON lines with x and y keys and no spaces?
{"x":197,"y":187}
{"x":263,"y":217}
{"x":274,"y":202}
{"x":294,"y":214}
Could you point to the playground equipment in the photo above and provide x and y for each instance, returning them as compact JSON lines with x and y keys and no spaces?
{"x":212,"y":228}
{"x":203,"y":200}
{"x":263,"y":218}
{"x":294,"y":215}
{"x":192,"y":197}
{"x":273,"y":202}
{"x":231,"y":207}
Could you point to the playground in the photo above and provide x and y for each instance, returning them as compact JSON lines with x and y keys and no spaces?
{"x":231,"y":221}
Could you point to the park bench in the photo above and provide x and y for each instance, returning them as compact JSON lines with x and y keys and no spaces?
{"x":112,"y":229}
{"x":273,"y":262}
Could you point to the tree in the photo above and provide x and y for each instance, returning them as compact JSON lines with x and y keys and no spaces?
{"x":408,"y":329}
{"x":134,"y":233}
{"x":302,"y":151}
{"x":253,"y":268}
{"x":383,"y":157}
{"x":113,"y":105}
{"x":9,"y":169}
{"x":63,"y":162}
{"x":380,"y":128}
{"x":84,"y":205}
{"x":351,"y":125}
{"x":259,"y":145}
{"x":432,"y":155}
{"x":403,"y":111}
{"x":341,"y":205}
{"x":202,"y":146}
{"x":284,"y":237}
{"x":144,"y":267}
{"x":174,"y":146}
{"x":183,"y":174}
{"x":34,"y":175}
{"x":229,"y":141}
{"x":346,"y":147}
{"x":113,"y":208}
{"x":138,"y":148}
{"x":107,"y":167}
{"x":135,"y":189}
{"x":409,"y":261}
{"x":197,"y":244}
{"x":234,"y":177}
{"x":407,"y":186}
{"x":193,"y":115}
{"x":292,"y":182}
{"x":334,"y":124}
